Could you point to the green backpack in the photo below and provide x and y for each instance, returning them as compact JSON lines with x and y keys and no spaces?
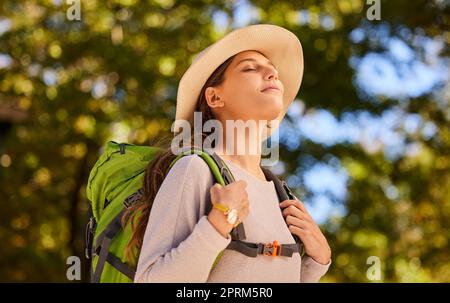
{"x":115,"y":183}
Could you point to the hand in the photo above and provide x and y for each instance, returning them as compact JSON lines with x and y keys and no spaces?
{"x":300,"y":223}
{"x":233,"y":195}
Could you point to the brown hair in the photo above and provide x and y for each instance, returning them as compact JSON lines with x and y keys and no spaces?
{"x":157,"y":169}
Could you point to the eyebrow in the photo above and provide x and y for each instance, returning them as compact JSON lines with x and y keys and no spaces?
{"x":251,"y":59}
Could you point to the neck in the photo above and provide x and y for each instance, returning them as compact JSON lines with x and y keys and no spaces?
{"x":249,"y":158}
{"x":251,"y":163}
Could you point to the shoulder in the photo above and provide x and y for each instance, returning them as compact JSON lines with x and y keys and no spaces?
{"x":192,"y":179}
{"x":191,"y":166}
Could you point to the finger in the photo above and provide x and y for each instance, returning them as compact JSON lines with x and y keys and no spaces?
{"x":308,"y":227}
{"x":302,"y":207}
{"x":295,"y":202}
{"x":216,"y":185}
{"x":294,"y":211}
{"x":298,"y":204}
{"x":285,"y":203}
{"x":214,"y":190}
{"x":303,"y":234}
{"x":291,"y":220}
{"x":305,"y":224}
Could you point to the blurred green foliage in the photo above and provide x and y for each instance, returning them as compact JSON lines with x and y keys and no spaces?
{"x":114,"y":74}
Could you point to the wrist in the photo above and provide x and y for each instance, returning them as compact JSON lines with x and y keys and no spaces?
{"x":230,"y":213}
{"x":220,"y":223}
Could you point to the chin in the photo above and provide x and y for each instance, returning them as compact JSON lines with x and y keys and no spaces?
{"x":274,"y":111}
{"x":271,"y":115}
{"x":270,"y":108}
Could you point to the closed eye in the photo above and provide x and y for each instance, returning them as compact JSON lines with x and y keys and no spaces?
{"x":249,"y":69}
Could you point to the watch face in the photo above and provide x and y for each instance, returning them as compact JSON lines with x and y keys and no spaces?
{"x":232,"y":216}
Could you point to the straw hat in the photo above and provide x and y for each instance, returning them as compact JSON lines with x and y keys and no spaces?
{"x":276,"y":43}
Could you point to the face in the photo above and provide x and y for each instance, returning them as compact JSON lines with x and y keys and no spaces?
{"x":241,"y":94}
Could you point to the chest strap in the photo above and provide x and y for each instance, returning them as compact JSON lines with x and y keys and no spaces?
{"x":268,"y":249}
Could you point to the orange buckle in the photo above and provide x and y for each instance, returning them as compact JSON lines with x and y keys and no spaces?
{"x":272,"y":249}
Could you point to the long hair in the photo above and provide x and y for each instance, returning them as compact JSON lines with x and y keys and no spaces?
{"x":157,"y":169}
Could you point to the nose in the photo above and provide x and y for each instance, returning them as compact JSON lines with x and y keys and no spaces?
{"x":271,"y":74}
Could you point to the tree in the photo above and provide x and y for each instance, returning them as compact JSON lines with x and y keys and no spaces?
{"x":114,"y":74}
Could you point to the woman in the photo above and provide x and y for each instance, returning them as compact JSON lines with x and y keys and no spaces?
{"x":179,"y":239}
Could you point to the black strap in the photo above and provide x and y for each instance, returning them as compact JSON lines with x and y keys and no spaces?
{"x":288,"y":250}
{"x":283,"y":192}
{"x":106,"y":243}
{"x":253,"y":249}
{"x":122,"y":148}
{"x":103,"y":243}
{"x":237,"y":233}
{"x":224,"y":170}
{"x":90,"y":232}
{"x":113,"y":225}
{"x":248,"y":249}
{"x":120,"y":266}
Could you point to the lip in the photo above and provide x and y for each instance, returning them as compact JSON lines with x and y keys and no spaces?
{"x":271,"y":88}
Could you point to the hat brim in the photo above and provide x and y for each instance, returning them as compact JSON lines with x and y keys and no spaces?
{"x":276,"y":43}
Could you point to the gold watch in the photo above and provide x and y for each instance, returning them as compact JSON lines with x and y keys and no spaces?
{"x":231,"y":213}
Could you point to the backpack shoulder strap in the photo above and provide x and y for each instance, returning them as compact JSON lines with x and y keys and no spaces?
{"x":237,"y":233}
{"x":283,"y":192}
{"x":275,"y":249}
{"x":222,"y":175}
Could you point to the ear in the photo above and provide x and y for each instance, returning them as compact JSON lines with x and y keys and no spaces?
{"x":212,"y":98}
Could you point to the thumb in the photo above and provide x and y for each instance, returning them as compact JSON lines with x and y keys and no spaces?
{"x":215,"y":187}
{"x":218,"y":185}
